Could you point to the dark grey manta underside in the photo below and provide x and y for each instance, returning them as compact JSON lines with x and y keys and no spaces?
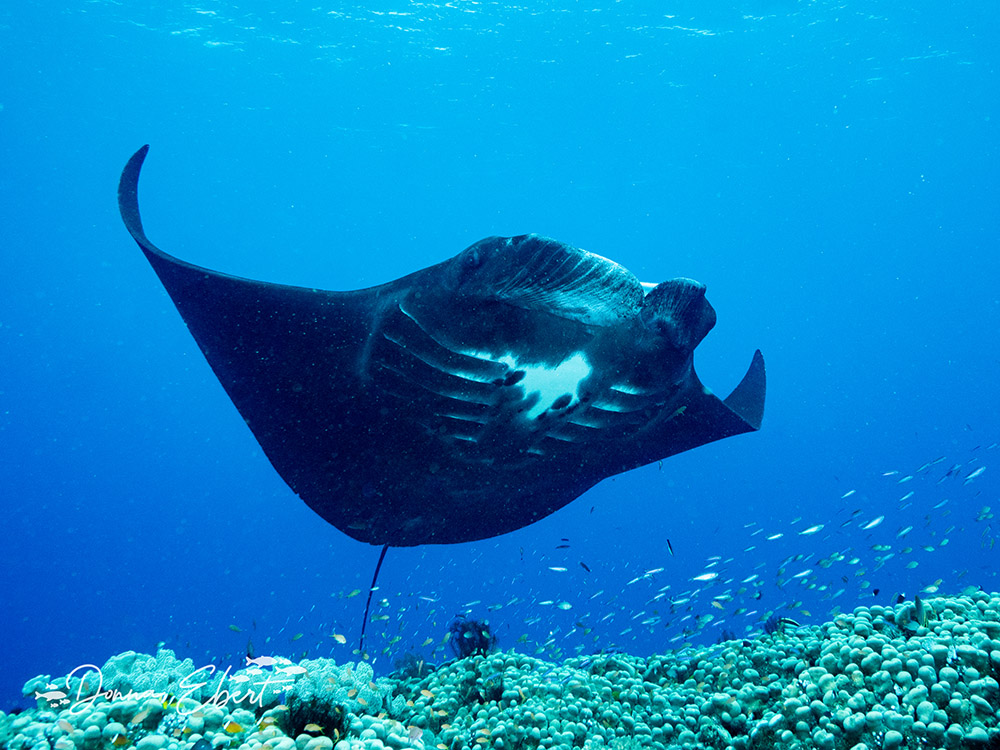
{"x":464,"y":400}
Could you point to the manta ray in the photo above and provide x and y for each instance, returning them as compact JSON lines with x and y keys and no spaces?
{"x":464,"y":400}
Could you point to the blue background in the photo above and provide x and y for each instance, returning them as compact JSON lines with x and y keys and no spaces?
{"x":828,"y":169}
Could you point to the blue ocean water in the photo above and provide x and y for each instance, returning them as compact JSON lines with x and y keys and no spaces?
{"x":828,"y":169}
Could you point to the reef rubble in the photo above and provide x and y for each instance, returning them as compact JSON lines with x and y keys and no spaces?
{"x":914,"y":675}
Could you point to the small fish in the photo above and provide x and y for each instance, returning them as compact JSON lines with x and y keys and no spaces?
{"x":296,"y":636}
{"x":65,"y":726}
{"x":312,"y":728}
{"x":140,"y":717}
{"x":847,"y":494}
{"x":706,"y":577}
{"x":428,"y":642}
{"x":811,"y":530}
{"x":564,"y":605}
{"x":670,"y":547}
{"x":236,"y":628}
{"x":974,"y":474}
{"x":774,"y":536}
{"x":339,"y":638}
{"x":584,"y":566}
{"x":119,"y":740}
{"x":262,"y":661}
{"x":232,"y":727}
{"x":427,"y":693}
{"x":352,"y":692}
{"x":353,"y":593}
{"x":929,"y":464}
{"x":557,"y":569}
{"x":562,"y":546}
{"x":267,"y":721}
{"x":872,"y":524}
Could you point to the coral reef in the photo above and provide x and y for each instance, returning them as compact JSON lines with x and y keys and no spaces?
{"x":411,"y":666}
{"x":880,"y":677}
{"x":350,"y":686}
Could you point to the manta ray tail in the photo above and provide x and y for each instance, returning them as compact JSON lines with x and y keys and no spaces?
{"x":368,"y":604}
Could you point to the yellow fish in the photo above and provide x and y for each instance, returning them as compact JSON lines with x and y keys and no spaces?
{"x":312,"y":728}
{"x":232,"y":727}
{"x":119,"y":740}
{"x":339,"y":638}
{"x":354,"y":593}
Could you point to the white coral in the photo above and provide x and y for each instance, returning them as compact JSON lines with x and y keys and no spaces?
{"x":349,"y":685}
